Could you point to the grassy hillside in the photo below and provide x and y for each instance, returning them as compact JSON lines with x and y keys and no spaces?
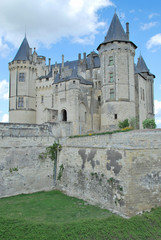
{"x":53,"y":215}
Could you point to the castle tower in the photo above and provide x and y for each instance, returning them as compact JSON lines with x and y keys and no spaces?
{"x":144,"y":81}
{"x":117,"y":75}
{"x":22,"y":86}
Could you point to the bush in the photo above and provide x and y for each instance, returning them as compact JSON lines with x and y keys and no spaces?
{"x":149,"y":123}
{"x":123,"y":124}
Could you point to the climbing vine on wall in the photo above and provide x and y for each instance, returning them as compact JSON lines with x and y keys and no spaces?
{"x":51,"y":152}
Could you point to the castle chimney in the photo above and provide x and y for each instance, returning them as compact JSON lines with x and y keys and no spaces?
{"x":49,"y":64}
{"x":84,"y":56}
{"x":62,"y":61}
{"x":127,"y":30}
{"x":79,"y":57}
{"x":91,"y":60}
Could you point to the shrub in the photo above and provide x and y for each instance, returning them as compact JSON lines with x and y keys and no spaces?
{"x":149,"y":123}
{"x":123,"y":124}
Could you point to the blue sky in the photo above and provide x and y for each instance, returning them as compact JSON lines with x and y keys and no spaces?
{"x":70,"y":27}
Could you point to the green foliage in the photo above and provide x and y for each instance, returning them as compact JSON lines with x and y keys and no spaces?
{"x":102,"y":133}
{"x":123,"y":124}
{"x":14,"y":169}
{"x":111,"y":180}
{"x":53,"y":215}
{"x":149,"y":123}
{"x":61,"y":169}
{"x":51,"y":152}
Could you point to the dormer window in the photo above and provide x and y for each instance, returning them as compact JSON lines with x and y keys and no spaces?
{"x":110,"y":60}
{"x":21,"y":77}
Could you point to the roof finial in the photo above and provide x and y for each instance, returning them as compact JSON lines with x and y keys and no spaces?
{"x":25,"y":30}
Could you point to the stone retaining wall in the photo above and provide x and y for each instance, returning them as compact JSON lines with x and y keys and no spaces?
{"x":121,"y":172}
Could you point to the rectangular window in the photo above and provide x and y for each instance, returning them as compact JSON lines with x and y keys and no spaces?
{"x":112,"y":94}
{"x":99,"y":98}
{"x":20,"y":102}
{"x":21,"y":77}
{"x":111,"y":60}
{"x":42,"y":99}
{"x":143,"y":95}
{"x":111,"y":77}
{"x":115,"y":116}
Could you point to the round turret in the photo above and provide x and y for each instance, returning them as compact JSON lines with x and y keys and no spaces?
{"x":117,"y":76}
{"x":22,"y":86}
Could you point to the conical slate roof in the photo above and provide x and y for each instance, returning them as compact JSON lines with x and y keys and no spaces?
{"x":141,"y":65}
{"x":23,"y":52}
{"x":116,"y":31}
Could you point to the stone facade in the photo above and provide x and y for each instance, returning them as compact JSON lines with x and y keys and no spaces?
{"x":120,"y":172}
{"x":94,"y":93}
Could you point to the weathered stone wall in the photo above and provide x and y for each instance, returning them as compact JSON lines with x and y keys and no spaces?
{"x":21,"y":170}
{"x":121,"y":172}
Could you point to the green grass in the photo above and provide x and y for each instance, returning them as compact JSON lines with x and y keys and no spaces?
{"x":53,"y":215}
{"x":102,"y":133}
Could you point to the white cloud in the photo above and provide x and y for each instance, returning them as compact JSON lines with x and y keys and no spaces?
{"x":48,"y":21}
{"x":147,"y":26}
{"x":5,"y":118}
{"x":4,"y":49}
{"x":154,"y":41}
{"x":153,"y":15}
{"x":132,"y":11}
{"x":157,"y":105}
{"x":4,"y":90}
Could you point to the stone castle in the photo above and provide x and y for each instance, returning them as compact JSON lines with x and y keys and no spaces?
{"x":121,"y":171}
{"x":92,"y":93}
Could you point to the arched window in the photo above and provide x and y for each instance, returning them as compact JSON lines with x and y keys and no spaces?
{"x":64,"y":115}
